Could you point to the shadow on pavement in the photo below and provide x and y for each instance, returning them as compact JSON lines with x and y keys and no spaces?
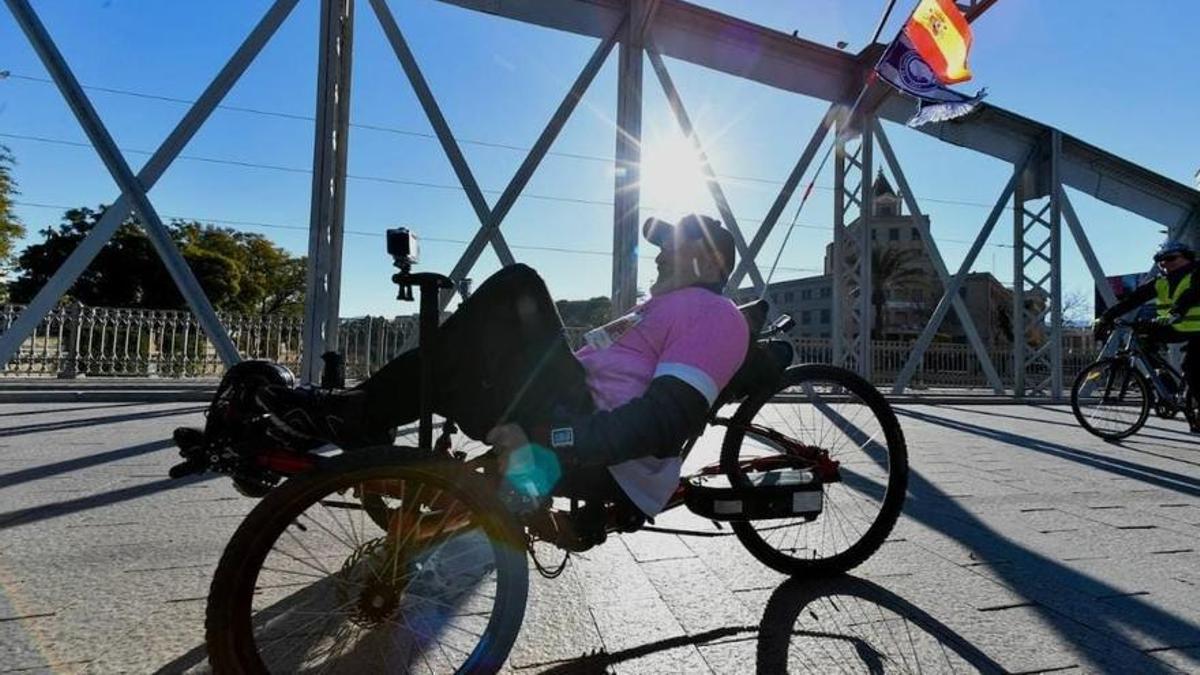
{"x":33,"y":514}
{"x":1169,"y":480}
{"x":850,"y":624}
{"x":843,"y":624}
{"x":46,"y":470}
{"x":76,"y":408}
{"x":1096,"y":628}
{"x":95,"y":421}
{"x":1183,"y":434}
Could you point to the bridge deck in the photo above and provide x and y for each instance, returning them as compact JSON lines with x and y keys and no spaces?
{"x":1026,"y":546}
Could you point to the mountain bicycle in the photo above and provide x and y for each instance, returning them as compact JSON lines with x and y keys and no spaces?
{"x":1112,"y":398}
{"x":404,"y":557}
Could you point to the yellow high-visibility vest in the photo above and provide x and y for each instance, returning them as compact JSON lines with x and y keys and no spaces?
{"x":1166,"y":300}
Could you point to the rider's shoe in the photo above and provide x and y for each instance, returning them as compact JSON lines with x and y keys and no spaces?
{"x":317,"y":415}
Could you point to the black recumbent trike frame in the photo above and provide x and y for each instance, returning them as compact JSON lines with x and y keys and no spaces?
{"x":811,"y":479}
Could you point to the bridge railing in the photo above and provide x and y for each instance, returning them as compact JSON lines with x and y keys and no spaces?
{"x":76,"y":340}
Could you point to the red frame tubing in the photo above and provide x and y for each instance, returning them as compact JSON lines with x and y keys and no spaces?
{"x":285,"y":462}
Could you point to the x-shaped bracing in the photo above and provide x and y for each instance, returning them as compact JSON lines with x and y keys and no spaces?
{"x":490,"y":219}
{"x":710,"y":178}
{"x":134,"y":188}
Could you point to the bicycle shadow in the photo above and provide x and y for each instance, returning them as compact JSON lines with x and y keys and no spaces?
{"x":842,"y":624}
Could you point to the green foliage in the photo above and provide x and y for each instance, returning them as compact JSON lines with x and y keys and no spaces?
{"x":10,"y":228}
{"x":892,"y":269}
{"x":584,"y":313}
{"x":240,"y":272}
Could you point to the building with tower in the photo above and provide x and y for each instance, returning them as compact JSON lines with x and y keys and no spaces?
{"x":905,"y":289}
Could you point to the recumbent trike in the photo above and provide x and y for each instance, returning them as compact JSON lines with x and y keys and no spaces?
{"x":412,"y":556}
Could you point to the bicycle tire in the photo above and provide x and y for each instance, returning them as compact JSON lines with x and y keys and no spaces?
{"x":872,"y":536}
{"x":1191,"y":409}
{"x":230,"y":629}
{"x":1120,"y":367}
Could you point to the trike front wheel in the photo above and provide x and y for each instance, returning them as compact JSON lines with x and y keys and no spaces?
{"x":834,"y":423}
{"x":310,"y":582}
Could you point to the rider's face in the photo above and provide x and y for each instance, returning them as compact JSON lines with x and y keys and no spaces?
{"x":1171,"y":263}
{"x":681,"y":263}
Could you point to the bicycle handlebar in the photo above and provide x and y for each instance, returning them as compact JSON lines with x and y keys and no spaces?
{"x":1134,"y":324}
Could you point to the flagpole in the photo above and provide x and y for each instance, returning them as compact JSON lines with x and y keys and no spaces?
{"x":836,"y":140}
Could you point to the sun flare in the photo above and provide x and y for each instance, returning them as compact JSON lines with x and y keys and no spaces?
{"x":672,"y":182}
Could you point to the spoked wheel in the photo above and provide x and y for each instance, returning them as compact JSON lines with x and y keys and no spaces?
{"x":834,"y":423}
{"x":310,"y":584}
{"x":1191,"y":409}
{"x":1111,"y":399}
{"x":461,"y":448}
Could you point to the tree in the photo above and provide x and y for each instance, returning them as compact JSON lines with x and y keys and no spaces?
{"x":584,"y":313}
{"x":271,"y":281}
{"x":10,"y":227}
{"x":891,"y":269}
{"x":238,"y":271}
{"x":1077,"y":308}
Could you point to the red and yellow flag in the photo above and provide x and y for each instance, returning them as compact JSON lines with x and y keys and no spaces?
{"x":941,"y":35}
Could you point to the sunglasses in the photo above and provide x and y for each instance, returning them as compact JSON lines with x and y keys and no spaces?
{"x":658,"y":231}
{"x":1170,"y":257}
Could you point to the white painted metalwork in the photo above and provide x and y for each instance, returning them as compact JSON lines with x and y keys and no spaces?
{"x":627,"y":160}
{"x":74,"y":340}
{"x":956,"y":283}
{"x":782,"y":199}
{"x":700,"y":36}
{"x":710,"y":178}
{"x":1037,"y":276}
{"x":327,"y":220}
{"x":939,"y":265}
{"x":851,"y":327}
{"x":134,"y":188}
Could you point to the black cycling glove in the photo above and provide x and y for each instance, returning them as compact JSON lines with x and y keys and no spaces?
{"x":657,"y":423}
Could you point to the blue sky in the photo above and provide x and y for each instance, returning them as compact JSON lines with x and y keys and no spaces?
{"x":1116,"y":74}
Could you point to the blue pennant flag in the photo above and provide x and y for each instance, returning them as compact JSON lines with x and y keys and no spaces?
{"x":903,"y":68}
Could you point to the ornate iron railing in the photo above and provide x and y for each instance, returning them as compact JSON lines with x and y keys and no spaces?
{"x":75,"y":340}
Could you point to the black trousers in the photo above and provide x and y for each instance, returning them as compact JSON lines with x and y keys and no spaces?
{"x":502,"y":357}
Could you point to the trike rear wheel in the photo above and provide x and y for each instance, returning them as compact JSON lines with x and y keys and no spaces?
{"x":836,"y":424}
{"x":310,"y":582}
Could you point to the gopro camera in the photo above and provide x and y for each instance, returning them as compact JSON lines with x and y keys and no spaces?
{"x":402,"y":246}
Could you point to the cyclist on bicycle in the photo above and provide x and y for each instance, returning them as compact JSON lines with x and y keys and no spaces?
{"x":1176,"y":293}
{"x":613,"y":416}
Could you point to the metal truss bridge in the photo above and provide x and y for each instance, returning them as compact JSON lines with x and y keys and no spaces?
{"x":1044,"y":162}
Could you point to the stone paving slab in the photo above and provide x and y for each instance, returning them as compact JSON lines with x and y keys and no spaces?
{"x":1026,"y":546}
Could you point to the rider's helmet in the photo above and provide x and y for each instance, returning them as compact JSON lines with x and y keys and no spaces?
{"x":1173,"y":247}
{"x":718,"y":241}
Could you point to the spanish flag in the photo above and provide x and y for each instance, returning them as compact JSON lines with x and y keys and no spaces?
{"x":941,"y":35}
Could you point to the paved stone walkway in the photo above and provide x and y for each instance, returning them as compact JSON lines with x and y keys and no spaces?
{"x":1026,"y":546}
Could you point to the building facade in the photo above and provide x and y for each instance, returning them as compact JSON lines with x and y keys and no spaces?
{"x":906,"y":287}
